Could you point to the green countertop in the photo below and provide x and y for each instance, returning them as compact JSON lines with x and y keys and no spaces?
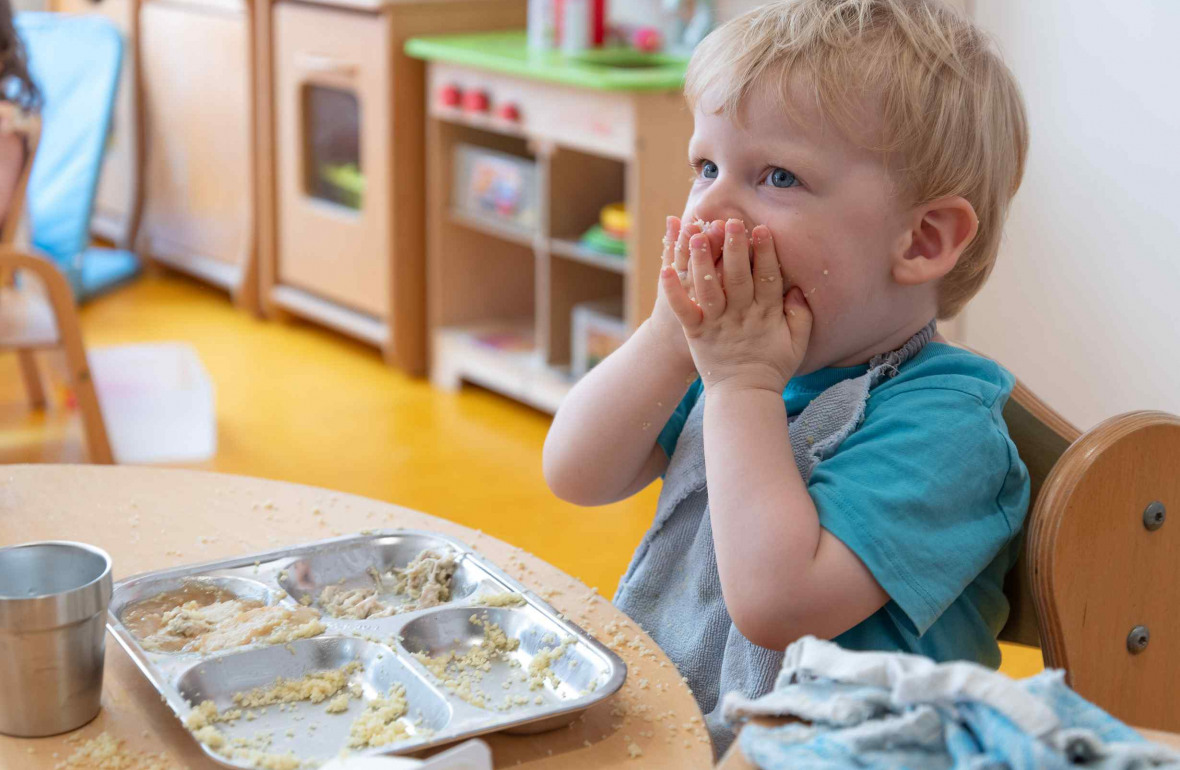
{"x":506,"y":52}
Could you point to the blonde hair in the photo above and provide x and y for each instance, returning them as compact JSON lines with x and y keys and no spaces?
{"x":952,"y":119}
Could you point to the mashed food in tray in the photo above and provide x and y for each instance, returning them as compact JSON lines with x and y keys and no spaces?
{"x":316,"y":687}
{"x":424,"y":582}
{"x":204,"y":618}
{"x":381,"y":722}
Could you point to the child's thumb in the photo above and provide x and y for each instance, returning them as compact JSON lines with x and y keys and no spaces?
{"x":799,"y":317}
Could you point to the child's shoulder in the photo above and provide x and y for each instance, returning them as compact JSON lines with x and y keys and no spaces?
{"x":943,"y":367}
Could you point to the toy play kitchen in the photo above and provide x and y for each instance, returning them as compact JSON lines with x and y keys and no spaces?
{"x":535,"y":162}
{"x":341,"y":238}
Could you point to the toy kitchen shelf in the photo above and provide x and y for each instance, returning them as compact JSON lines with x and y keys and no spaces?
{"x":500,"y":294}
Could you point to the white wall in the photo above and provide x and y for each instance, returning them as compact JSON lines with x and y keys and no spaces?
{"x":1084,"y":304}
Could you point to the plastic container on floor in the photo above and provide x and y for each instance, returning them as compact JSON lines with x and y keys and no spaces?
{"x":157,"y":402}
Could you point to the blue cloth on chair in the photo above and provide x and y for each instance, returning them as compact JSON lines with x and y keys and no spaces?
{"x":75,"y":62}
{"x":894,"y":710}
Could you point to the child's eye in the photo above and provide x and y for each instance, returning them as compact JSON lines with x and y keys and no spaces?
{"x":782,"y":178}
{"x":706,"y":168}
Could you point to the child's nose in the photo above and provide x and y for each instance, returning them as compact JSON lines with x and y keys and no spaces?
{"x":716,"y":203}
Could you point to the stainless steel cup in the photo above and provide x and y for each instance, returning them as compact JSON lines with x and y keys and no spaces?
{"x":53,"y":606}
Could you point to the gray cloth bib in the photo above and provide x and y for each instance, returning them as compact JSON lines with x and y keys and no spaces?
{"x":672,"y":588}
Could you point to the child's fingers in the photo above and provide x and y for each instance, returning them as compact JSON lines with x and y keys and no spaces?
{"x":739,"y":289}
{"x":768,"y":276}
{"x":680,"y":261}
{"x":670,"y":235}
{"x":716,"y":233}
{"x":799,"y":319}
{"x":685,"y":309}
{"x":710,"y":296}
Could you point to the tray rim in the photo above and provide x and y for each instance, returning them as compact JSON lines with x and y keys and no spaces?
{"x":181,"y":708}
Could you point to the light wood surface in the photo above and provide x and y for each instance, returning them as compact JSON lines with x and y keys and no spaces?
{"x":735,"y":760}
{"x":657,"y":186}
{"x":149,"y":519}
{"x":196,"y":89}
{"x":1099,"y":572}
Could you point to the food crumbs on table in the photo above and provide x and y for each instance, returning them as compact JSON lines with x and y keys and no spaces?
{"x":105,"y":752}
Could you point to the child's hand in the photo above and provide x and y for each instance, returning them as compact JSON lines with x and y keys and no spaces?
{"x":663,"y":322}
{"x":741,"y":330}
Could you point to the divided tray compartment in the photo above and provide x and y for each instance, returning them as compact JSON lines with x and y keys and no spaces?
{"x":385,"y":647}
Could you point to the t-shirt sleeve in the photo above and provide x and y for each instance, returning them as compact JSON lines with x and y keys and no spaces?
{"x":671,"y":432}
{"x":926,"y":492}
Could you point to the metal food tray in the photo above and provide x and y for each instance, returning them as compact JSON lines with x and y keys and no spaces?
{"x":588,"y":671}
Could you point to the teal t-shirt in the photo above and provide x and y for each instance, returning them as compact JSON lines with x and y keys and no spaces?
{"x":929,"y":492}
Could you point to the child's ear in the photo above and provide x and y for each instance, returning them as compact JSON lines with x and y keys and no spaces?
{"x":942,"y":229}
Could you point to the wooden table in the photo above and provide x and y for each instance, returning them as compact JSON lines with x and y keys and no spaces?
{"x":149,"y":519}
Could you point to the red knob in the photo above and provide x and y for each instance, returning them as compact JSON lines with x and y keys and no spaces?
{"x":451,"y":96}
{"x":475,"y":101}
{"x":508,"y":111}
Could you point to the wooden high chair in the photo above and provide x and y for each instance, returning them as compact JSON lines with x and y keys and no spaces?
{"x":32,"y":321}
{"x":1097,"y":581}
{"x":1099,"y":575}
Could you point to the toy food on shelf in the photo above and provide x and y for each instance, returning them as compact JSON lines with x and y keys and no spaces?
{"x":615,"y":220}
{"x":647,"y":40}
{"x":597,"y":330}
{"x":495,"y":185}
{"x":609,"y":236}
{"x":347,"y":181}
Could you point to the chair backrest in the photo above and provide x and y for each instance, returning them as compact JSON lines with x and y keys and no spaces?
{"x":1106,"y":567}
{"x":75,"y":62}
{"x":1098,"y":580}
{"x":1041,"y":436}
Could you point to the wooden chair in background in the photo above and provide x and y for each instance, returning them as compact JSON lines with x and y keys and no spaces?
{"x":32,"y":320}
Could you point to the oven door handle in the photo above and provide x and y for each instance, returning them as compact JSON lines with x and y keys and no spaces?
{"x":325,"y":65}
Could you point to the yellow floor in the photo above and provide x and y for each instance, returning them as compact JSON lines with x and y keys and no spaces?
{"x":300,"y":404}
